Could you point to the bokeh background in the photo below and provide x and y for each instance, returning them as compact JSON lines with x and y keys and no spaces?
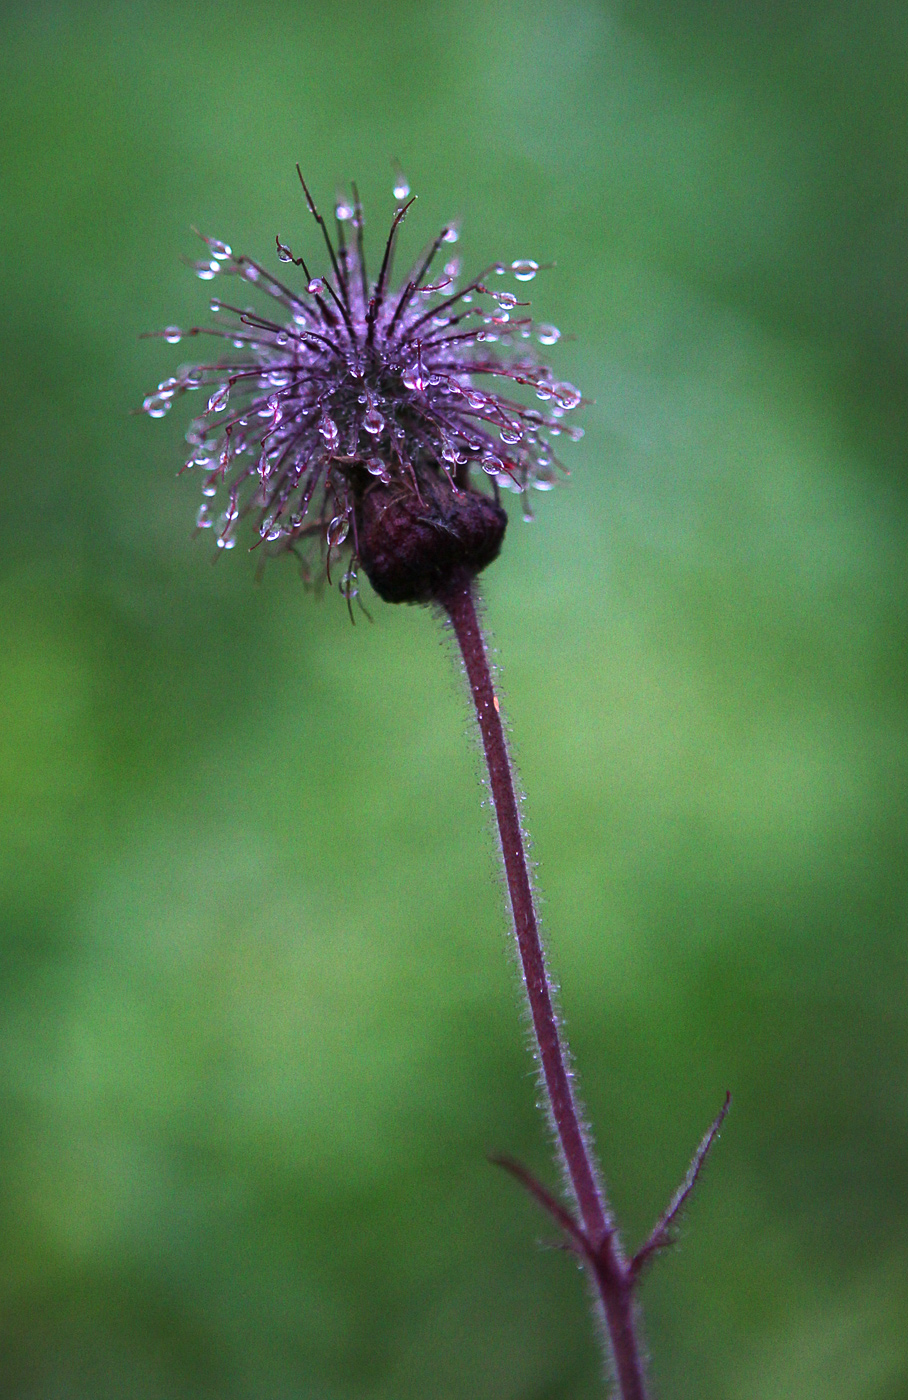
{"x":259,"y":1024}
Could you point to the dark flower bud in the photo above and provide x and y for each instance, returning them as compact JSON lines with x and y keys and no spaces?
{"x":411,"y":546}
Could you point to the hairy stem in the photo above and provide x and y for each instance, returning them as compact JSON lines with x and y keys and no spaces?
{"x":611,"y":1273}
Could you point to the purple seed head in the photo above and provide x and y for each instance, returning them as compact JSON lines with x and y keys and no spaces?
{"x":354,"y":420}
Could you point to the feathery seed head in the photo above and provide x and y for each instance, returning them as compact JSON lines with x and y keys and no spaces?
{"x":352,"y":420}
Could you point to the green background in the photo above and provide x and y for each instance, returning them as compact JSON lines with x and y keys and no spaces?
{"x":259,"y":1026}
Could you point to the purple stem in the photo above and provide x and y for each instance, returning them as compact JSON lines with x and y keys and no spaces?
{"x":612,"y":1275}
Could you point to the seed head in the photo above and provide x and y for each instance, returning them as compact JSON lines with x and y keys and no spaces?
{"x":354,"y":421}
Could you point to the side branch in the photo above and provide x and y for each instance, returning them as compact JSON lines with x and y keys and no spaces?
{"x":662,"y":1236}
{"x":575,"y":1236}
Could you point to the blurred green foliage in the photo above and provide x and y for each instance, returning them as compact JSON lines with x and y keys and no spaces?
{"x":259,"y":1025}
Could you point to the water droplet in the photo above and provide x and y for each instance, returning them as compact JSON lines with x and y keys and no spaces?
{"x":173,"y":335}
{"x":506,"y":299}
{"x":575,"y":434}
{"x":401,"y":185}
{"x":492,"y":465}
{"x":376,"y":467}
{"x":343,"y":211}
{"x":219,"y":250}
{"x":207,"y":270}
{"x":251,"y":274}
{"x":568,"y":395}
{"x":337,"y":531}
{"x":542,"y":393}
{"x":156,"y":405}
{"x":210,"y":487}
{"x":202,"y":521}
{"x":218,"y":401}
{"x":547,"y":335}
{"x":226,"y":542}
{"x":284,"y":253}
{"x":348,"y":586}
{"x":524,"y":269}
{"x":510,"y":435}
{"x":475,"y":400}
{"x":451,"y":234}
{"x":452,"y":268}
{"x":315,"y":286}
{"x":499,"y":269}
{"x":414,"y":379}
{"x":328,"y":429}
{"x":373,"y":422}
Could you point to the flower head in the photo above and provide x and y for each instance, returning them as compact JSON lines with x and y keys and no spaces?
{"x":354,"y":421}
